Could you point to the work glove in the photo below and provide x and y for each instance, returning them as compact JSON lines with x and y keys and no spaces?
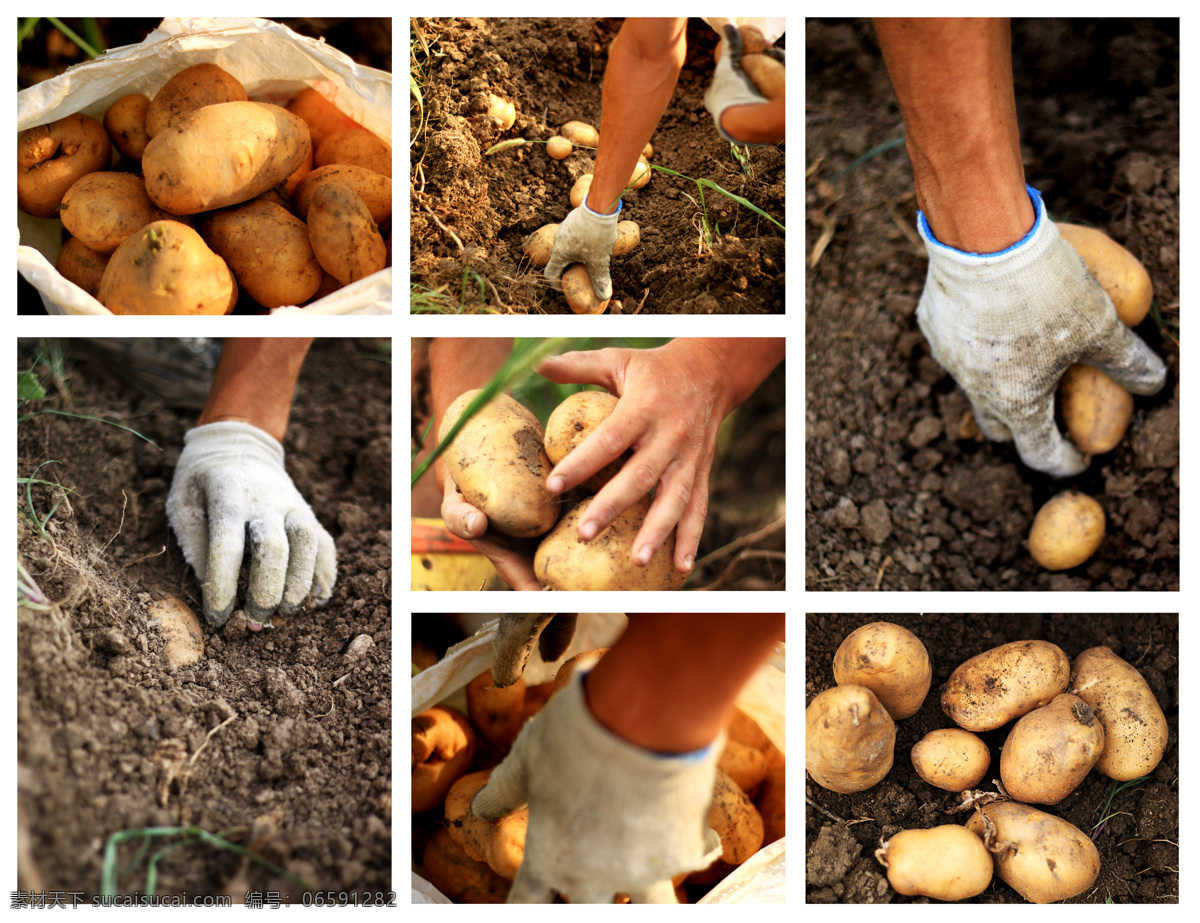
{"x":730,"y":85}
{"x":1007,"y":325}
{"x":230,"y":483}
{"x":516,"y":637}
{"x":605,"y":817}
{"x":585,"y":237}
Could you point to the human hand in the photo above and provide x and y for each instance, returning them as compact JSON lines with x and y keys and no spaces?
{"x":230,"y":484}
{"x":605,"y":816}
{"x":1007,"y":325}
{"x":585,"y":237}
{"x":512,"y":557}
{"x":515,"y":639}
{"x":731,"y":86}
{"x":671,"y":404}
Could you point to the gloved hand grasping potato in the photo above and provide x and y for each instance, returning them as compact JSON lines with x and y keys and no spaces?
{"x":585,"y":237}
{"x":731,"y":86}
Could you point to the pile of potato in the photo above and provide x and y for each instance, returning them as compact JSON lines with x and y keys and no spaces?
{"x":472,"y":860}
{"x":214,"y":195}
{"x":1097,"y":713}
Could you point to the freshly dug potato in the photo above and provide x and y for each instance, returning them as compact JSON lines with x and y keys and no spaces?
{"x":578,"y":193}
{"x":125,"y":122}
{"x":566,"y":562}
{"x":577,"y":286}
{"x":1095,"y":409}
{"x":498,"y":463}
{"x":745,"y":765}
{"x":191,"y":89}
{"x":449,"y":869}
{"x":573,"y":421}
{"x":951,"y":759}
{"x":104,"y":209}
{"x":745,"y":730}
{"x":753,"y":41}
{"x":1042,"y":857}
{"x":629,"y":235}
{"x":1118,"y":271}
{"x":373,"y":189}
{"x":166,"y":268}
{"x":890,"y":661}
{"x":443,"y":744}
{"x":1066,"y":531}
{"x":504,"y":112}
{"x":580,"y":133}
{"x":771,"y":801}
{"x":540,"y":244}
{"x":268,"y":249}
{"x":223,"y":154}
{"x":344,"y":238}
{"x":1050,"y":750}
{"x":52,"y":158}
{"x":948,"y":863}
{"x":79,"y":263}
{"x":584,"y":660}
{"x":356,"y":147}
{"x":993,"y":688}
{"x":766,"y":73}
{"x":535,"y":699}
{"x":497,"y":711}
{"x":850,"y":739}
{"x":559,"y":147}
{"x":321,"y":116}
{"x":641,"y":174}
{"x":1135,"y":728}
{"x":499,"y":843}
{"x":736,"y":820}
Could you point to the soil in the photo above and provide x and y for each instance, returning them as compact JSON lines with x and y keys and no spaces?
{"x":1139,"y":851}
{"x":901,"y":494}
{"x":553,"y":69}
{"x":109,"y":738}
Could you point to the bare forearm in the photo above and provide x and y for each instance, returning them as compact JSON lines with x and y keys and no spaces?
{"x":747,"y":361}
{"x":255,"y":381}
{"x":458,"y":364}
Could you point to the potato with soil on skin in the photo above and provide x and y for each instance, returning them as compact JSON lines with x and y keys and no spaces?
{"x":104,"y":209}
{"x":1118,"y":271}
{"x":356,"y":147}
{"x":736,"y":820}
{"x":166,"y":268}
{"x":448,"y":868}
{"x":889,"y":660}
{"x":1095,"y":409}
{"x":745,"y":765}
{"x":496,"y":711}
{"x":951,"y":759}
{"x":498,"y":463}
{"x":344,"y":238}
{"x":566,"y":562}
{"x":375,"y":190}
{"x":79,"y":263}
{"x":499,"y":843}
{"x":577,"y":287}
{"x":629,"y":235}
{"x":540,"y":244}
{"x":443,"y":744}
{"x":1135,"y":728}
{"x":767,"y":74}
{"x":321,"y":116}
{"x":1042,"y":857}
{"x":191,"y":89}
{"x":572,"y":421}
{"x":580,"y":133}
{"x":52,"y":158}
{"x":1006,"y":682}
{"x":948,"y":863}
{"x":1066,"y":531}
{"x":125,"y":122}
{"x":579,"y":191}
{"x":1049,"y":751}
{"x":850,"y":739}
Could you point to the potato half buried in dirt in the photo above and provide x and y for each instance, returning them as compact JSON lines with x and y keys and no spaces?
{"x":573,"y":421}
{"x":951,"y":759}
{"x":948,"y":863}
{"x":849,"y":740}
{"x":498,"y":464}
{"x":993,"y":688}
{"x":890,"y":661}
{"x":1050,"y":750}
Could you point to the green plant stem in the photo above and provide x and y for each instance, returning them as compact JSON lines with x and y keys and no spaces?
{"x":70,"y":33}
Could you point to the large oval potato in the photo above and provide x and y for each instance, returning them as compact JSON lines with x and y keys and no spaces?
{"x":993,"y":688}
{"x":573,"y":421}
{"x":951,"y":759}
{"x":1050,"y":750}
{"x":581,"y":296}
{"x":948,"y":863}
{"x":51,"y":159}
{"x":321,"y":116}
{"x":375,"y":190}
{"x":1095,"y":409}
{"x":345,"y":239}
{"x":103,"y":209}
{"x":1135,"y":728}
{"x":166,"y":268}
{"x":499,"y":465}
{"x":890,"y":661}
{"x":1118,"y":271}
{"x":850,"y":739}
{"x":192,"y":88}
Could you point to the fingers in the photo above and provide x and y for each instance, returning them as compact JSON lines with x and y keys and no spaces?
{"x":507,"y":790}
{"x":460,"y":517}
{"x":1042,"y":447}
{"x":601,"y":280}
{"x":611,"y":438}
{"x":325,"y":570}
{"x":268,"y":569}
{"x":991,"y":426}
{"x":733,"y":42}
{"x":226,"y":545}
{"x":513,"y":564}
{"x":556,"y":637}
{"x":554,"y":270}
{"x":603,"y":367}
{"x":301,"y":531}
{"x":513,"y":645}
{"x":1127,"y":360}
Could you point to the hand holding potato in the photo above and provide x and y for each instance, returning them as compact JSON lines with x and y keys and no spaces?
{"x":585,"y":237}
{"x":512,"y":557}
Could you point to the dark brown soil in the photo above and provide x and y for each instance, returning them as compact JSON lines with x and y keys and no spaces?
{"x":1139,"y":851}
{"x":898,"y":495}
{"x":552,"y":70}
{"x":302,"y":774}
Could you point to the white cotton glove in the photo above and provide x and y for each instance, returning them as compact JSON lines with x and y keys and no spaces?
{"x":605,"y":817}
{"x":1007,"y":325}
{"x":585,"y":237}
{"x":518,"y":634}
{"x":730,"y":85}
{"x":230,"y":483}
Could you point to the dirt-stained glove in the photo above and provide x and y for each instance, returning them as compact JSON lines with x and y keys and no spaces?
{"x":516,"y":637}
{"x":605,"y":817}
{"x":731,"y":86}
{"x":585,"y":237}
{"x":1007,"y":325}
{"x":230,"y":484}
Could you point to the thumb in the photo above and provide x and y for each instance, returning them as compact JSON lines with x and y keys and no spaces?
{"x":587,"y":367}
{"x":554,"y":269}
{"x":505,"y":792}
{"x":1040,"y":444}
{"x":601,"y":280}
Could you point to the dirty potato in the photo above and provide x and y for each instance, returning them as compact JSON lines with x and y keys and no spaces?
{"x":850,"y":739}
{"x":889,"y":660}
{"x":1050,"y":750}
{"x":948,"y":863}
{"x":993,"y":688}
{"x":951,"y":759}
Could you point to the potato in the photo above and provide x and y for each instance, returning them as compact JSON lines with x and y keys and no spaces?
{"x":499,"y":843}
{"x":125,"y":122}
{"x":51,"y":159}
{"x":1116,"y":269}
{"x":321,"y":116}
{"x":771,"y":800}
{"x":1050,"y":750}
{"x":744,"y":729}
{"x":1135,"y":728}
{"x":573,"y":421}
{"x":629,"y":235}
{"x":535,"y":699}
{"x":1095,"y":409}
{"x":504,"y":112}
{"x":268,"y":249}
{"x":767,"y":74}
{"x":79,"y":263}
{"x":745,"y":765}
{"x":736,"y":820}
{"x":577,"y":286}
{"x":584,"y":660}
{"x":188,"y":91}
{"x":566,"y":562}
{"x":223,"y":154}
{"x":951,"y":759}
{"x":104,"y":209}
{"x":375,"y":190}
{"x":753,"y":41}
{"x":578,"y":193}
{"x":344,"y":238}
{"x":166,"y":268}
{"x":497,"y":711}
{"x":1043,"y":857}
{"x":559,"y":147}
{"x":443,"y":745}
{"x":890,"y":661}
{"x":580,"y":133}
{"x":1066,"y":531}
{"x":641,"y":174}
{"x":540,"y":244}
{"x":948,"y":863}
{"x":1006,"y":682}
{"x":648,"y":150}
{"x":850,"y":739}
{"x":498,"y":463}
{"x":449,"y":869}
{"x":356,"y":147}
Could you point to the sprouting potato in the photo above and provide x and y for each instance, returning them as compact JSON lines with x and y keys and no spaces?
{"x":948,"y":863}
{"x":993,"y":688}
{"x":850,"y":739}
{"x":951,"y":759}
{"x":890,"y":661}
{"x":1050,"y":750}
{"x":1066,"y":531}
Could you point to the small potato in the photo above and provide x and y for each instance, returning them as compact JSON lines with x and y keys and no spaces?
{"x":321,"y":116}
{"x":1118,"y":271}
{"x":578,"y":193}
{"x":443,"y":744}
{"x":52,"y":158}
{"x":166,"y":268}
{"x":497,"y":711}
{"x":559,"y":147}
{"x":948,"y":863}
{"x":192,"y":88}
{"x":504,"y":112}
{"x":1042,"y":857}
{"x":993,"y":688}
{"x":581,"y":296}
{"x":641,"y":174}
{"x":375,"y":190}
{"x":540,"y":244}
{"x":104,"y":209}
{"x":736,"y":820}
{"x":580,"y":133}
{"x":1066,"y":531}
{"x":850,"y":739}
{"x":356,"y":147}
{"x":79,"y":263}
{"x":648,"y":150}
{"x":1050,"y":750}
{"x":448,"y":868}
{"x":890,"y":661}
{"x":1095,"y":409}
{"x":572,"y":421}
{"x":125,"y":122}
{"x":629,"y":235}
{"x":951,"y":759}
{"x":745,"y":765}
{"x":767,"y":74}
{"x":1135,"y":728}
{"x":344,"y":238}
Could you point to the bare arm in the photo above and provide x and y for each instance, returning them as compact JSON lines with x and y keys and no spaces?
{"x":255,"y":381}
